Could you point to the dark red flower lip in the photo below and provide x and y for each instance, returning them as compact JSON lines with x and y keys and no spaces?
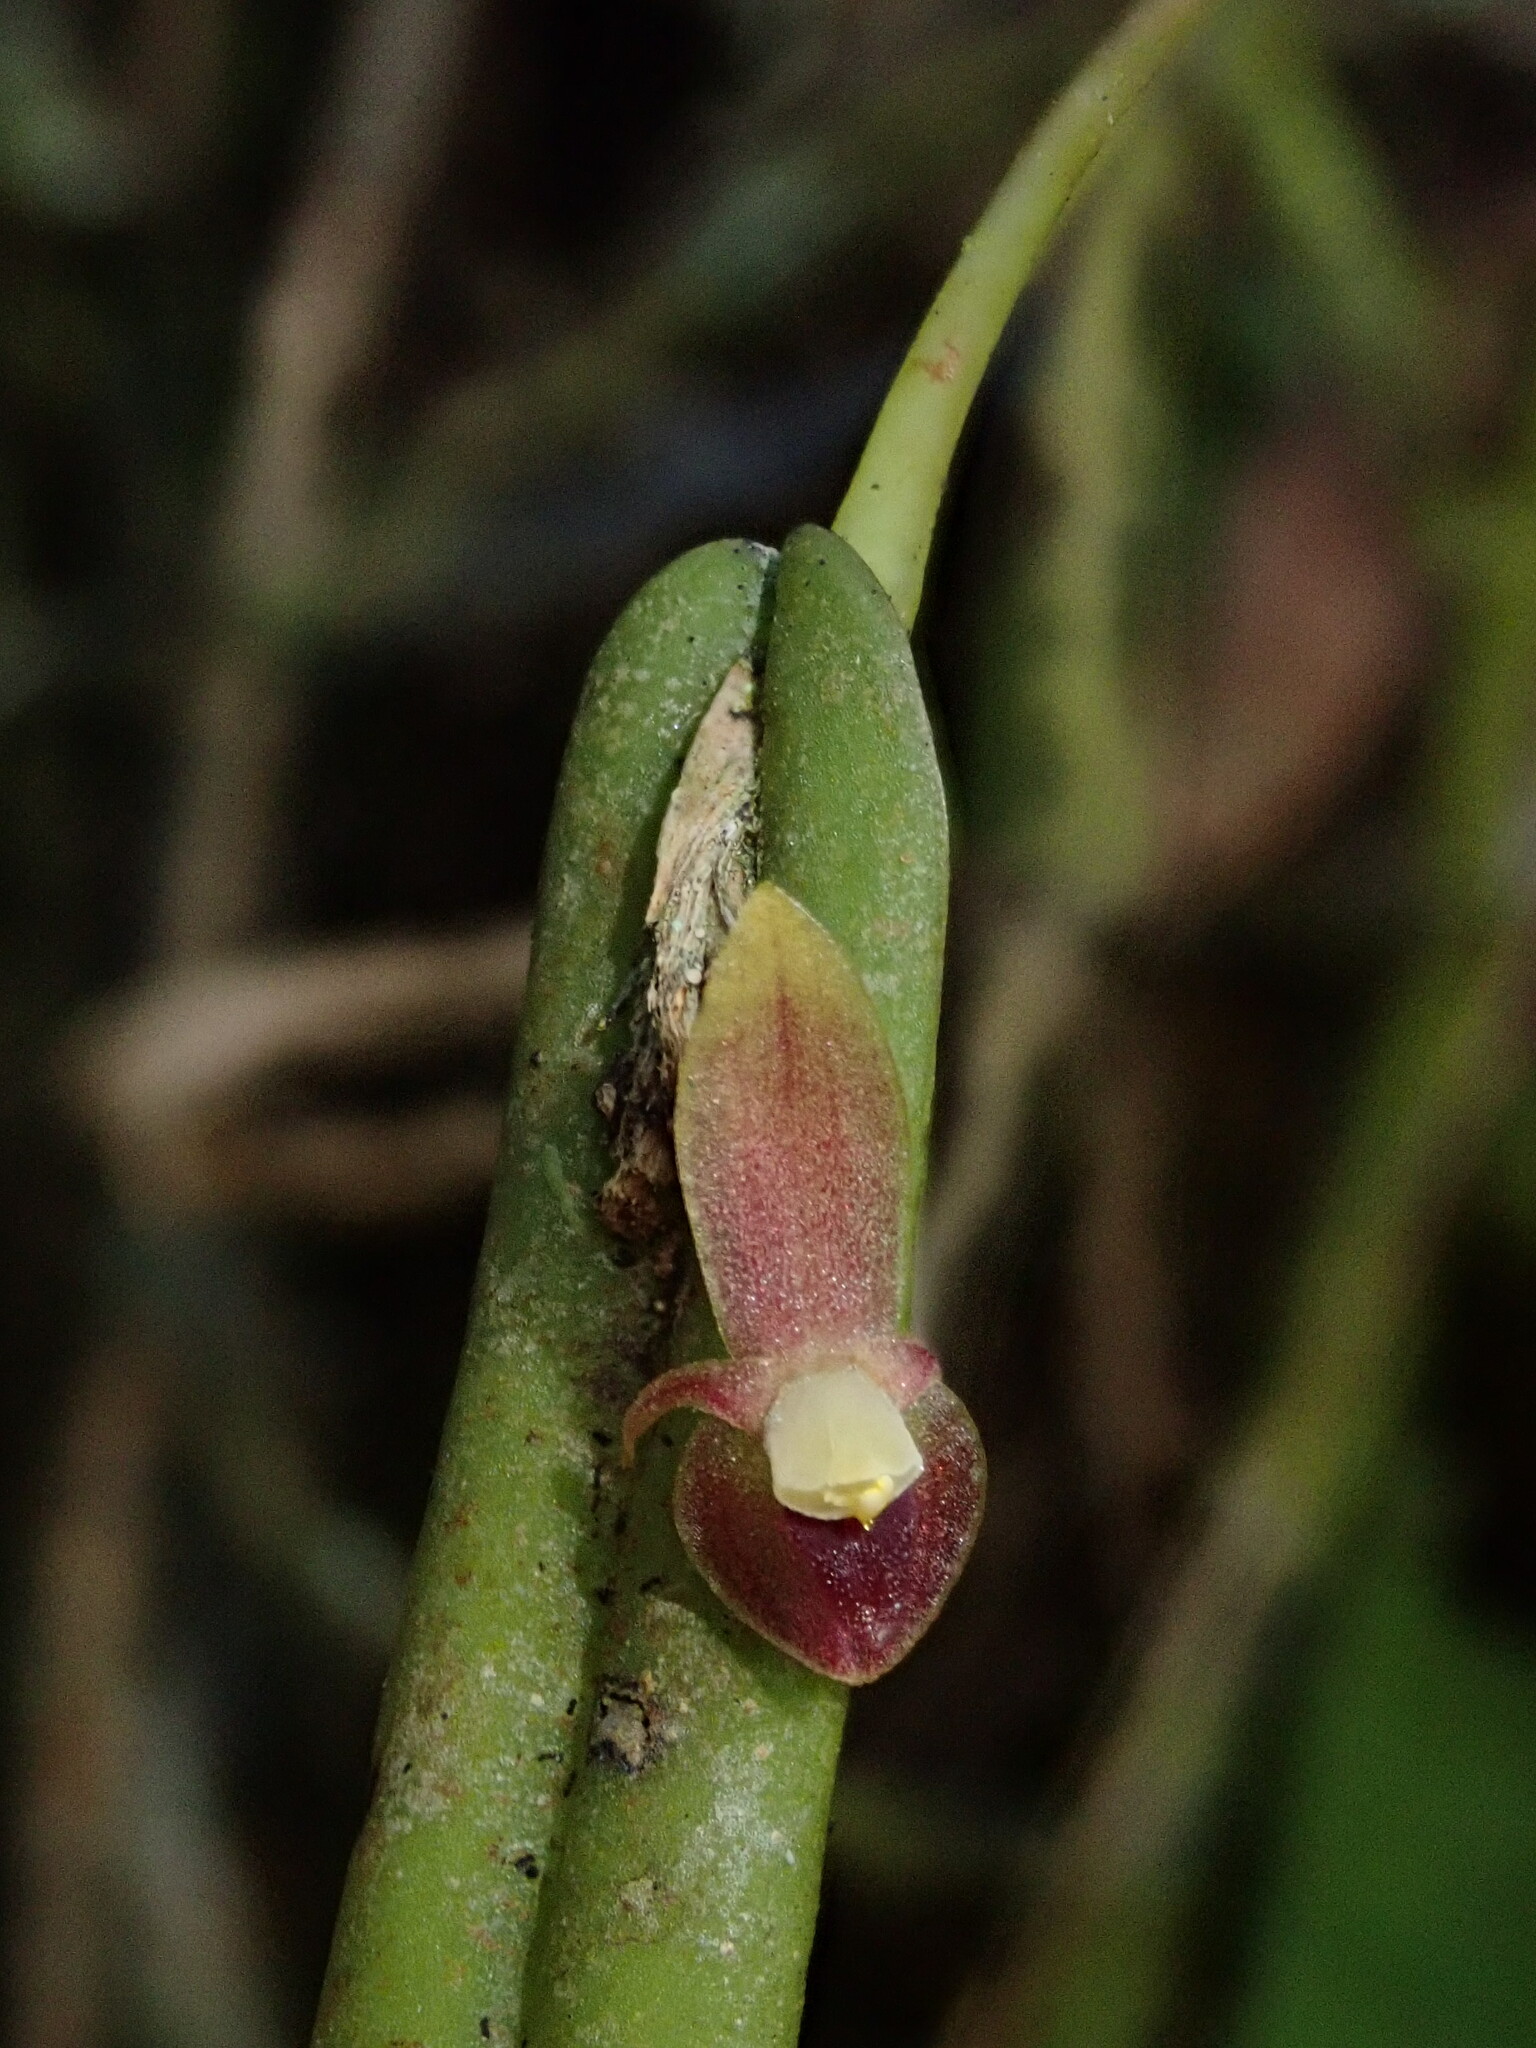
{"x":847,"y":1601}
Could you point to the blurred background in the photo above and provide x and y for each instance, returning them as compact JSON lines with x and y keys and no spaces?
{"x":357,"y":362}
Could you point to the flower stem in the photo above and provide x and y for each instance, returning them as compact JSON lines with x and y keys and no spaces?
{"x":889,"y":512}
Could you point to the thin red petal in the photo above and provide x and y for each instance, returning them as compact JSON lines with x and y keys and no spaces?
{"x":847,"y":1601}
{"x":738,"y":1390}
{"x":742,"y":1390}
{"x":791,"y":1138}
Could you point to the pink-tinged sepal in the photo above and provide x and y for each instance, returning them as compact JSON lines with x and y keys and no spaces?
{"x":832,"y":1493}
{"x":742,"y":1390}
{"x":846,"y":1600}
{"x":791,"y":1138}
{"x":739,"y":1391}
{"x":902,"y":1366}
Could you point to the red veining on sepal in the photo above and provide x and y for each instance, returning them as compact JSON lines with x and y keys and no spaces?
{"x":742,"y":1390}
{"x":847,"y":1601}
{"x":791,"y":1138}
{"x":792,"y":1151}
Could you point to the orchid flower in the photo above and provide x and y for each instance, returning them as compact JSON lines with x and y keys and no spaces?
{"x":833,"y":1491}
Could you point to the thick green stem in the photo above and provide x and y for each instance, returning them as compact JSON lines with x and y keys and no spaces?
{"x":682,"y":1899}
{"x":683,"y":1894}
{"x":490,"y":1691}
{"x":893,"y":501}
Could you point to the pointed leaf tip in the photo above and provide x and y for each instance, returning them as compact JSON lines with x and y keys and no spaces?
{"x":791,"y":1138}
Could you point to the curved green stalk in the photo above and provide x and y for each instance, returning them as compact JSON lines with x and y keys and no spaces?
{"x":490,"y":1689}
{"x":893,"y":501}
{"x":683,"y":1894}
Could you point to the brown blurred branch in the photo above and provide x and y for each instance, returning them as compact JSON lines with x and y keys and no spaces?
{"x":180,"y":1080}
{"x":1131,"y":1412}
{"x":1318,"y":636}
{"x":78,"y":1735}
{"x":1033,"y":979}
{"x":313,"y":332}
{"x":1094,"y":1959}
{"x":197,"y":1917}
{"x":168,"y":1081}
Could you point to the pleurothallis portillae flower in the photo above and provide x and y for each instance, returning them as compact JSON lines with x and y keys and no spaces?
{"x":832,"y":1492}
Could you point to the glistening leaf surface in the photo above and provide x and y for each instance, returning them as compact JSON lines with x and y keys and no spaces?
{"x":791,"y":1138}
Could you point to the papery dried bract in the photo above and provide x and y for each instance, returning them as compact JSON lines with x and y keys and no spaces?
{"x":792,"y":1139}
